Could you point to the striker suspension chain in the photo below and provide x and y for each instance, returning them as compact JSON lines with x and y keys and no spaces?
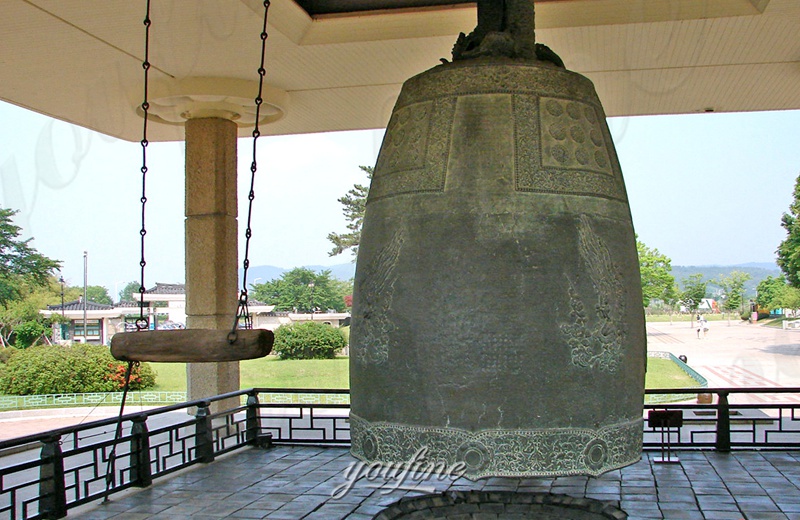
{"x":142,"y":322}
{"x":112,"y":456}
{"x":243,"y":312}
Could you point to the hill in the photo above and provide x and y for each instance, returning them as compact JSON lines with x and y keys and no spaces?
{"x":265,"y":273}
{"x":757,"y":271}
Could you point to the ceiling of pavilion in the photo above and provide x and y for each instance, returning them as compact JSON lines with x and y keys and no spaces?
{"x":80,"y":60}
{"x":321,"y":7}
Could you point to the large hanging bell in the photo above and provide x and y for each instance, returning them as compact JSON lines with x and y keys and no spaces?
{"x":497,"y":320}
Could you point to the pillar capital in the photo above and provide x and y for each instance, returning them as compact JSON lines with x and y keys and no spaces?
{"x":176,"y":101}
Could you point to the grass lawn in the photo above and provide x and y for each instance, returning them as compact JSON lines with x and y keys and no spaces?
{"x":292,"y":373}
{"x":658,"y":318}
{"x":269,"y":372}
{"x":333,"y":373}
{"x":664,"y":373}
{"x":775,"y":322}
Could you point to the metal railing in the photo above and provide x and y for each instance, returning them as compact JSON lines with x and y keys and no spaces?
{"x":772,"y":423}
{"x":27,"y":402}
{"x":45,"y":475}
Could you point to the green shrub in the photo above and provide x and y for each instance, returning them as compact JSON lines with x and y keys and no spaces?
{"x":80,"y":368}
{"x":28,"y":333}
{"x":6,"y":353}
{"x":308,"y":340}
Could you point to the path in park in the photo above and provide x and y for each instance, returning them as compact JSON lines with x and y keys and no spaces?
{"x":20,"y":423}
{"x":735,"y":354}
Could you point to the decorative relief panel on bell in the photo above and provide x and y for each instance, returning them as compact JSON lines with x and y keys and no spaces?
{"x":596,"y":339}
{"x":413,"y":157}
{"x":570,"y":156}
{"x":572,"y":137}
{"x":404,"y":147}
{"x":375,"y":309}
{"x":502,"y":452}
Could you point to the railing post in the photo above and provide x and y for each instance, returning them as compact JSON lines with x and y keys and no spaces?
{"x":723,"y":423}
{"x":204,"y":434}
{"x":253,"y":433}
{"x":52,"y":491}
{"x":252,"y":422}
{"x":140,"y":452}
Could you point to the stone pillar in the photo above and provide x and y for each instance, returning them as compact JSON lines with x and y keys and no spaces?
{"x":211,"y":246}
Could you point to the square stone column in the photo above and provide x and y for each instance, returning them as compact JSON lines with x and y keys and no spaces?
{"x":211,"y":247}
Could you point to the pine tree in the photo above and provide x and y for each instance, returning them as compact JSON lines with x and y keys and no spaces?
{"x":355,"y":203}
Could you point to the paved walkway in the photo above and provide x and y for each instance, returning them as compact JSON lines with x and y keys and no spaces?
{"x":20,"y":423}
{"x":292,"y":483}
{"x":735,"y":353}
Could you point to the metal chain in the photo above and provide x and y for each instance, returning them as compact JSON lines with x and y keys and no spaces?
{"x":243,"y":318}
{"x":112,"y":456}
{"x":142,"y":322}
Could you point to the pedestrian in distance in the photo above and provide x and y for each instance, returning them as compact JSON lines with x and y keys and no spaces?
{"x":702,"y":326}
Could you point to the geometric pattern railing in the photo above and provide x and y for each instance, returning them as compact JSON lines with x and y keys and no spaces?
{"x":28,"y":402}
{"x":308,"y":417}
{"x":45,"y":475}
{"x":276,"y":396}
{"x":771,"y":422}
{"x":72,"y":466}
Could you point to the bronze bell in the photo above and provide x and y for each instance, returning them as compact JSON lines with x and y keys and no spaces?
{"x":497,"y":319}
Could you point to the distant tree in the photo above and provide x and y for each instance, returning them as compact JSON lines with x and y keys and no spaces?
{"x":354,"y":204}
{"x":775,"y":293}
{"x":789,"y":250}
{"x":732,"y":287}
{"x":694,"y":290}
{"x":20,"y":264}
{"x":130,"y":293}
{"x":657,"y":282}
{"x":768,"y":291}
{"x":26,"y":308}
{"x":788,"y":297}
{"x":344,"y":289}
{"x":300,"y":289}
{"x":98,"y":294}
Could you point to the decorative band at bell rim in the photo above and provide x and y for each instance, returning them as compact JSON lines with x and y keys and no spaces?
{"x":497,"y":317}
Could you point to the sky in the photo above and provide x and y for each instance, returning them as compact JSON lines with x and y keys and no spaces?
{"x":704,"y":189}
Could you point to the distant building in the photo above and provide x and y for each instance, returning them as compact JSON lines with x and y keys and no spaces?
{"x":708,"y":305}
{"x":99,"y":319}
{"x":165,"y":308}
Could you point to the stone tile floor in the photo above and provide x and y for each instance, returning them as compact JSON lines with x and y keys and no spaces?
{"x":293,"y":483}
